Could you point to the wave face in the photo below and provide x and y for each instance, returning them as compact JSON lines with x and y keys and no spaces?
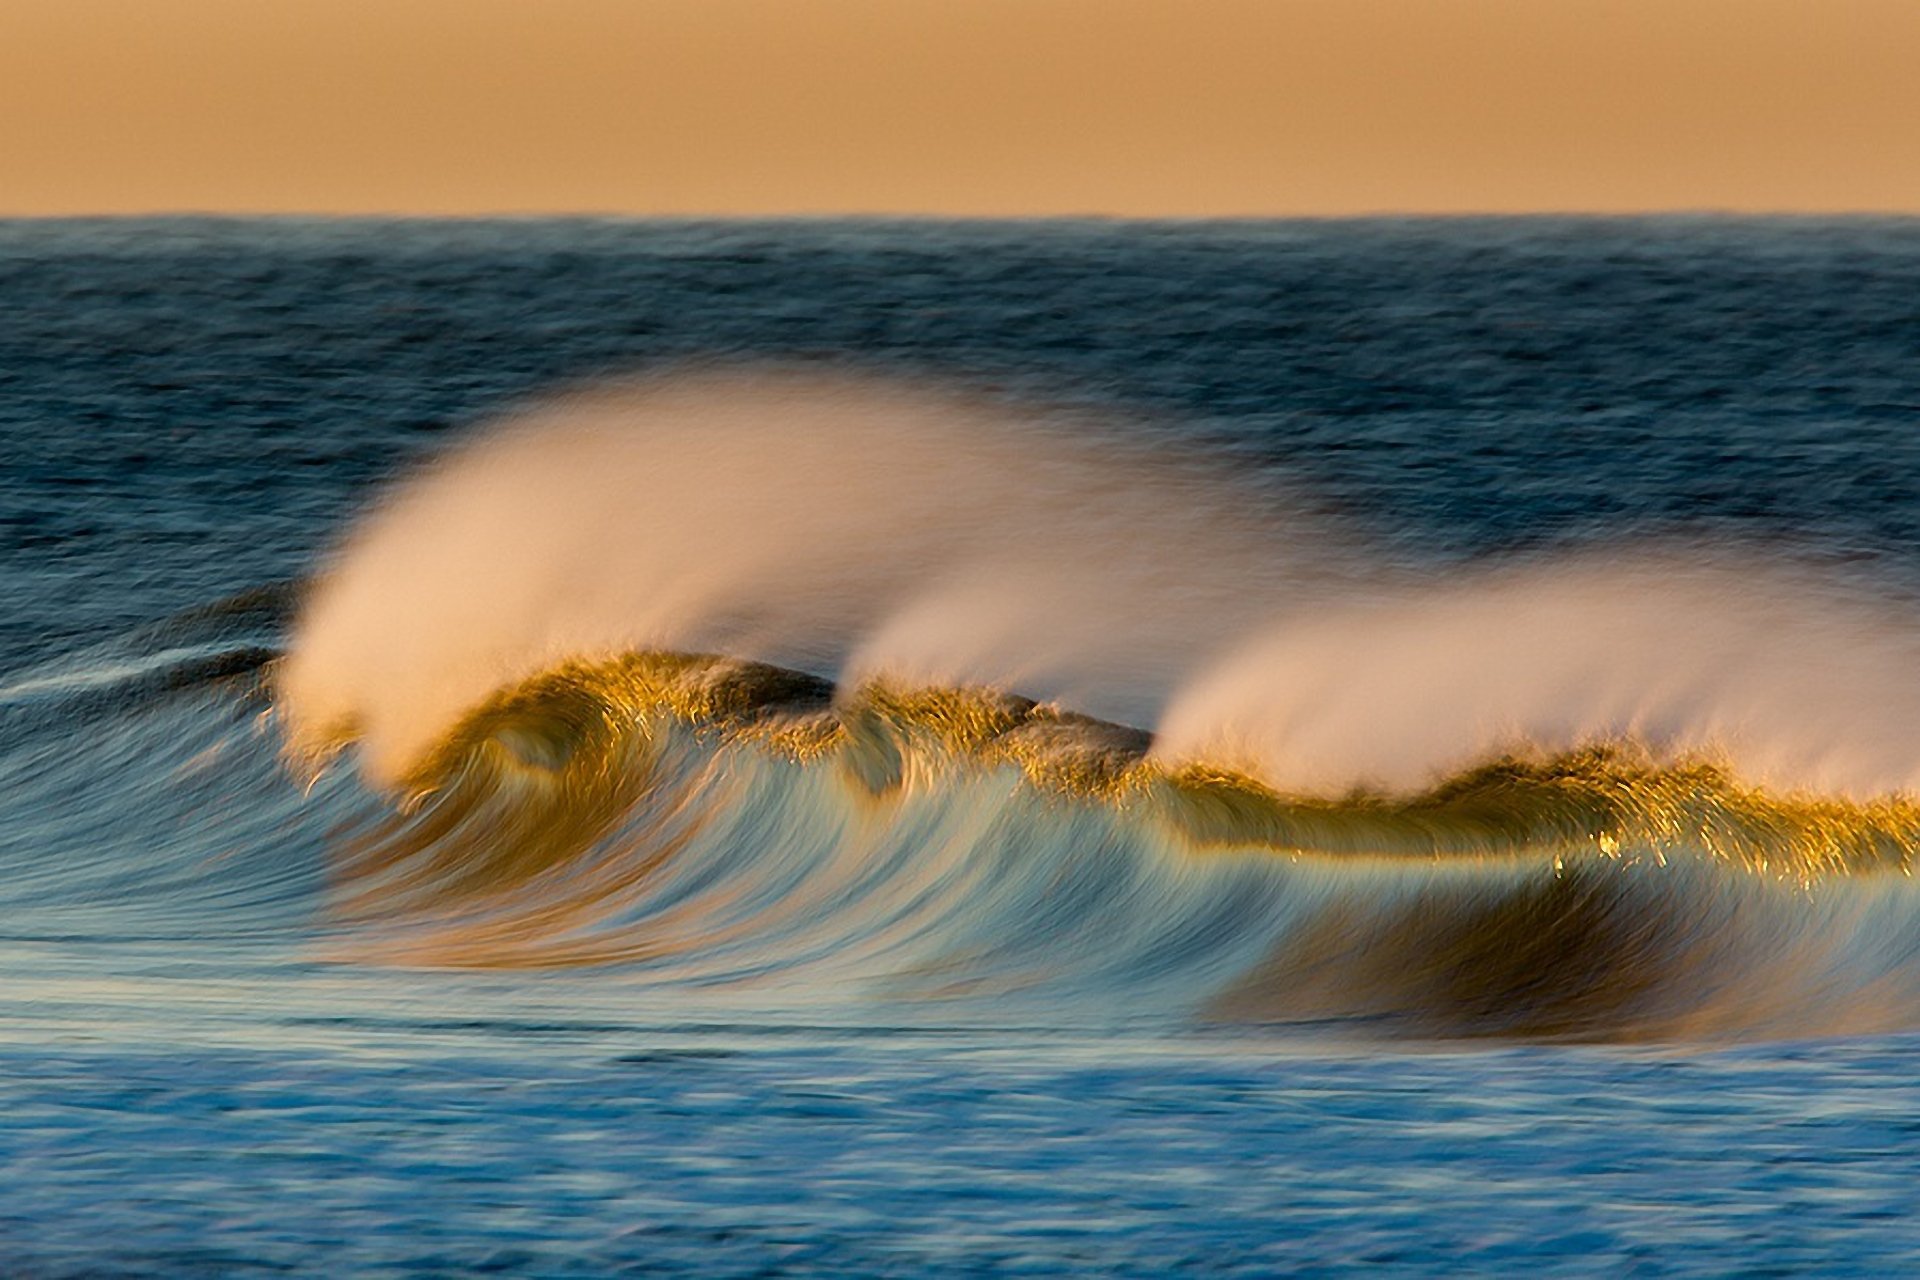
{"x":715,"y":677}
{"x":717,"y":823}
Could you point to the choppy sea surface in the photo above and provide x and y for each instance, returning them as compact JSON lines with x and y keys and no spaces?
{"x":843,"y":748}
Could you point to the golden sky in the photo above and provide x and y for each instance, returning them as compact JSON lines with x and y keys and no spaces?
{"x":972,"y":107}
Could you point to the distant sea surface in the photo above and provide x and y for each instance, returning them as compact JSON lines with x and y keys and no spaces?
{"x":920,"y":748}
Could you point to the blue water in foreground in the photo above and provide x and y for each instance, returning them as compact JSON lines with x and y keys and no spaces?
{"x":202,"y":1074}
{"x":537,"y":1148}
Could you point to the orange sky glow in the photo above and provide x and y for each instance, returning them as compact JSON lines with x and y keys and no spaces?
{"x":958,"y":107}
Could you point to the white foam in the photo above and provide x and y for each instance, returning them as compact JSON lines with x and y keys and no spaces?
{"x":849,"y":527}
{"x":859,"y":528}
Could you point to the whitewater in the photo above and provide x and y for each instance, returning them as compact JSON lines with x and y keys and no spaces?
{"x":564,"y":747}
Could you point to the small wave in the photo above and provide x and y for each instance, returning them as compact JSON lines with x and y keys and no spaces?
{"x":235,"y":639}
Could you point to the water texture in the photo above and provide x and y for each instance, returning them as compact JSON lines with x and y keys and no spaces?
{"x":853,"y":748}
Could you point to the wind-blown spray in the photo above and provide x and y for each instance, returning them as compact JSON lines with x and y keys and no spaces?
{"x":734,"y":675}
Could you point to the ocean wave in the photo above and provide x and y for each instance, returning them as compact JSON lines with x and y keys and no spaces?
{"x":707,"y":679}
{"x":698,"y":823}
{"x":712,"y":821}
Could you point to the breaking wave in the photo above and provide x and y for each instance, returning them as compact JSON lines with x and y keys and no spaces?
{"x":715,"y":677}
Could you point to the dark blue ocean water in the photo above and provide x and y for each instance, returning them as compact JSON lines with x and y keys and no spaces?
{"x":194,"y":1081}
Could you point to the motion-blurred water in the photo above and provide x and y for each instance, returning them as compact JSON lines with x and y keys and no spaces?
{"x":262,"y":1021}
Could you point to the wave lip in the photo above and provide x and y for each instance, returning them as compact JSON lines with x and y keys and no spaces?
{"x":580,"y":724}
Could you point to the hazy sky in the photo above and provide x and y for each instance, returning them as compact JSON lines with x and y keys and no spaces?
{"x":1169,"y":107}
